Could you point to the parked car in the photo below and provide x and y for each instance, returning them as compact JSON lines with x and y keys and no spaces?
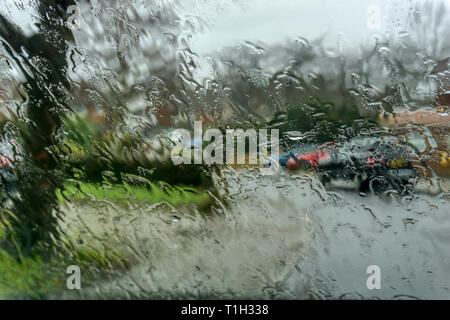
{"x":373,"y":163}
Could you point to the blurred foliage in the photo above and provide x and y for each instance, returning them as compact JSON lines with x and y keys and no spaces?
{"x":27,"y":278}
{"x":41,"y":277}
{"x":324,"y":120}
{"x":92,"y":152}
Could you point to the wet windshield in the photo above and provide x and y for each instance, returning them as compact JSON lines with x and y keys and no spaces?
{"x":224,"y":149}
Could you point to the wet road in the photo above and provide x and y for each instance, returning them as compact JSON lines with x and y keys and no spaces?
{"x":279,"y":237}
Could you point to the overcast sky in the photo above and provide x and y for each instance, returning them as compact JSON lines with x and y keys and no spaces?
{"x":273,"y":21}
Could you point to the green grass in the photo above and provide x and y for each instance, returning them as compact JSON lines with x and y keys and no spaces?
{"x":124,"y":193}
{"x":27,"y":278}
{"x":34,"y":278}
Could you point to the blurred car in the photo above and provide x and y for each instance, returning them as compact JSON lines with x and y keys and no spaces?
{"x":372,"y":163}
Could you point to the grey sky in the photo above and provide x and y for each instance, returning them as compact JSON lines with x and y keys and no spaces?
{"x":273,"y":21}
{"x":23,"y":18}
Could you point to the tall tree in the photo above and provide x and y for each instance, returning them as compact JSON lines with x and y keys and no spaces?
{"x":42,"y":60}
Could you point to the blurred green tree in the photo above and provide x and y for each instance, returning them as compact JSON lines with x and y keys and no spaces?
{"x":42,"y":60}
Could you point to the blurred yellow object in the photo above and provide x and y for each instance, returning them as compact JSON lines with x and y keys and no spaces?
{"x":444,"y":160}
{"x":399,"y":163}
